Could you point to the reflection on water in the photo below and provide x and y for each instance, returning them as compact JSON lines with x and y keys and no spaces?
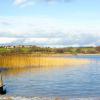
{"x":16,"y":64}
{"x":52,"y":76}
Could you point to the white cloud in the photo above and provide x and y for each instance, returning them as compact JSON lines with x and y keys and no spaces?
{"x":24,"y":3}
{"x":46,"y":32}
{"x":19,"y":2}
{"x":38,"y":40}
{"x":4,"y":40}
{"x":28,"y":4}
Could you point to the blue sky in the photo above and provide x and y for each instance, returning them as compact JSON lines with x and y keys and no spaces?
{"x":54,"y":23}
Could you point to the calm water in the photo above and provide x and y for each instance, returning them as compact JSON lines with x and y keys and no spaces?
{"x":74,"y":81}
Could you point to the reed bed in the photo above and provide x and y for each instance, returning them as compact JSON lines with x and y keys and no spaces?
{"x":22,"y":61}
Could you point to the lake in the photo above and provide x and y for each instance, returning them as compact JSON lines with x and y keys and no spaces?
{"x":56,"y":80}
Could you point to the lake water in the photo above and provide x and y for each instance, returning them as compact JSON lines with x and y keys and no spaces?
{"x":79,"y":80}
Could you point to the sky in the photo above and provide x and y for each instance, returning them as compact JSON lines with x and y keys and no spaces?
{"x":53,"y":23}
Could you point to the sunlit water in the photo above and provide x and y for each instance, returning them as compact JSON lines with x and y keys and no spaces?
{"x":81,"y":80}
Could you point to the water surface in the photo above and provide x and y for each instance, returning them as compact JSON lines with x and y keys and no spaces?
{"x":76,"y":80}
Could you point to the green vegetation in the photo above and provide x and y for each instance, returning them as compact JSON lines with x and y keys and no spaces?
{"x":36,"y":49}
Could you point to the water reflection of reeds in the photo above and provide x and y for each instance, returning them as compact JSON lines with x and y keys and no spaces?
{"x":13,"y":65}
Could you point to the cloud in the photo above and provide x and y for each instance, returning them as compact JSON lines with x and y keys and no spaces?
{"x":44,"y":31}
{"x":5,"y":22}
{"x":4,"y":40}
{"x":64,"y":41}
{"x":19,"y":2}
{"x":24,"y":3}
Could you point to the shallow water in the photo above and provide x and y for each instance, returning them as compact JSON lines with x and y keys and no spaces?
{"x":81,"y":80}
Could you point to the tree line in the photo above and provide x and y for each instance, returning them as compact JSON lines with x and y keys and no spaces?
{"x":37,"y":49}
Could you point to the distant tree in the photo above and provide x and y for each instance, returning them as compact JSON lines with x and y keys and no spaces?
{"x":59,"y":50}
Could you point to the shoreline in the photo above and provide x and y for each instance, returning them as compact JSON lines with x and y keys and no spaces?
{"x":47,"y":98}
{"x":49,"y":54}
